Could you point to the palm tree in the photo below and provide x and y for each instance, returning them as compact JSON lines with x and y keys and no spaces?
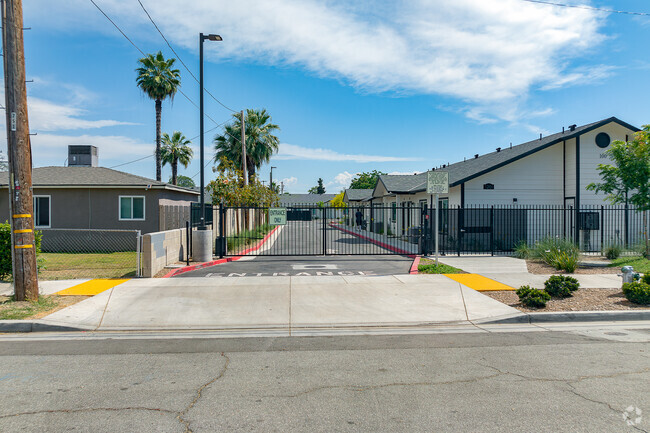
{"x":175,"y":149}
{"x":261,"y":144}
{"x":158,"y":80}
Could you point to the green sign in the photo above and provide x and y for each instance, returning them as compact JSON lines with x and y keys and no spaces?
{"x":277,"y":216}
{"x":437,"y":182}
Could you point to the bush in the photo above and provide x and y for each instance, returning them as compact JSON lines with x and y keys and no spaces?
{"x":613,"y":252}
{"x":532,"y":297}
{"x":560,"y":286}
{"x":560,"y":253}
{"x":645,"y":279}
{"x":639,"y":293}
{"x":5,"y":250}
{"x":522,"y":250}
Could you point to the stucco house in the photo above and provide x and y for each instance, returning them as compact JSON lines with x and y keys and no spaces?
{"x":358,"y":197}
{"x":81,"y":197}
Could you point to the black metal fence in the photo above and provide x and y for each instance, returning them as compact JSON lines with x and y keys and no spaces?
{"x":499,"y":229}
{"x":409,"y":229}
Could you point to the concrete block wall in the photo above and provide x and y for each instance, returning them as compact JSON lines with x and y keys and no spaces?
{"x":161,"y":249}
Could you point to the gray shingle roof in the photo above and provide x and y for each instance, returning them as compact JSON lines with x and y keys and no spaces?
{"x":83,"y":177}
{"x":461,"y":172}
{"x":290,"y":199}
{"x":358,"y":194}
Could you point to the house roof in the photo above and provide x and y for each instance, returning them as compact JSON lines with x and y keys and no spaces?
{"x":464,"y":171}
{"x":85,"y":177}
{"x":358,"y":194}
{"x":289,"y":199}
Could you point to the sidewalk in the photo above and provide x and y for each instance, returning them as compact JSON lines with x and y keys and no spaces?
{"x":45,"y":287}
{"x":280,"y":303}
{"x":513,"y":272}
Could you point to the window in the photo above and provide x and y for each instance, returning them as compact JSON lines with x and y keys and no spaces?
{"x":394,"y":211}
{"x":131,"y":208}
{"x":42,"y":211}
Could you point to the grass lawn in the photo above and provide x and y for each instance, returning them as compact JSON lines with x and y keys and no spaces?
{"x":428,"y":266}
{"x":637,"y":262}
{"x":62,"y":266}
{"x":247,"y":238}
{"x":12,"y":310}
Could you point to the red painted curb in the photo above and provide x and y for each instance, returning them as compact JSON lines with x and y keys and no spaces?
{"x":414,"y":266}
{"x":220,"y":261}
{"x":381,"y":244}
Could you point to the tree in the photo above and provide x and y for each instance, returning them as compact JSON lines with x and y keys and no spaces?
{"x":184,"y":181}
{"x":318,"y":189}
{"x":261,"y":144}
{"x":337,"y":201}
{"x":628,"y":180}
{"x":229,"y":189}
{"x":366,"y":180}
{"x":158,"y":81}
{"x":175,"y":149}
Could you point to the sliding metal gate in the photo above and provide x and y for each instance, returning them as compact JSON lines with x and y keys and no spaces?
{"x":319,"y":230}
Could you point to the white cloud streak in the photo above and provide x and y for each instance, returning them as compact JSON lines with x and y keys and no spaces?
{"x":49,"y":116}
{"x":291,"y":151}
{"x":50,"y":147}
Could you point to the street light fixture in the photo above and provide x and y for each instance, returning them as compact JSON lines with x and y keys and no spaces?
{"x":202,"y":38}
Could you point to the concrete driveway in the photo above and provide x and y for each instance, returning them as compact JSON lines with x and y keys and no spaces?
{"x":282,"y":303}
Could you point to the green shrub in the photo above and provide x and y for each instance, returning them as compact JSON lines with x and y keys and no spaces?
{"x":560,"y":286}
{"x":560,"y":253}
{"x":5,"y":250}
{"x":532,"y":297}
{"x":613,"y":252}
{"x":639,"y":293}
{"x":645,"y":279}
{"x":522,"y":250}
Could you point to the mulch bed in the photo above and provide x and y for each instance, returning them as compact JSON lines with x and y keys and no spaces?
{"x":540,"y":268}
{"x":582,"y":300}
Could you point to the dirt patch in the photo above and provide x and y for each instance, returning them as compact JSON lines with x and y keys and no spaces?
{"x":540,"y":268}
{"x":46,"y":305}
{"x":582,"y":300}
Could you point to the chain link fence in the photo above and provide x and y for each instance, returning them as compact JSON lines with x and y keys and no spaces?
{"x":84,"y":253}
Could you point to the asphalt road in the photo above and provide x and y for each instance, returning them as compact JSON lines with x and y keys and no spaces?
{"x":446,"y":382}
{"x":297,"y":250}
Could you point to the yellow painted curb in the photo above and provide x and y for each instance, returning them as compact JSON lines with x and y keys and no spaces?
{"x":91,"y":288}
{"x":478,"y":282}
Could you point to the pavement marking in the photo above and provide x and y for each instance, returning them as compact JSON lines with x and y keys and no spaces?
{"x":478,"y":282}
{"x":305,"y":267}
{"x":91,"y":288}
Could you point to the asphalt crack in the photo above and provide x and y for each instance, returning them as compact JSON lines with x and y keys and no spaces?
{"x":199,"y":393}
{"x":179,"y":414}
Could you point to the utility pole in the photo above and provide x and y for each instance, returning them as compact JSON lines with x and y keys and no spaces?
{"x":271,"y":178}
{"x":19,"y":154}
{"x":243,"y":148}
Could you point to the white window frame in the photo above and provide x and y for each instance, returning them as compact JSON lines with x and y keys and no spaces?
{"x":144,"y":207}
{"x":49,"y":210}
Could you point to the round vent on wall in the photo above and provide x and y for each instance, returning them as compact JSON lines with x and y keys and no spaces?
{"x":602,"y":140}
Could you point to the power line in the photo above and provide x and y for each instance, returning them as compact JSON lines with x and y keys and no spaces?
{"x":149,"y":156}
{"x":142,"y":52}
{"x":181,"y":60}
{"x":593,"y":8}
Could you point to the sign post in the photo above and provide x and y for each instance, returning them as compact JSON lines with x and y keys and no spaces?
{"x":277,"y":216}
{"x":437,"y":183}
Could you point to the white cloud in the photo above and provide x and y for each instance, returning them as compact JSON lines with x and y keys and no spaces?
{"x":291,"y":151}
{"x":290,"y":181}
{"x":342,"y":180}
{"x":480,"y":51}
{"x":50,"y":147}
{"x":49,"y":116}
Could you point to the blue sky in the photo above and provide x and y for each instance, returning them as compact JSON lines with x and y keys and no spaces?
{"x":355,"y":86}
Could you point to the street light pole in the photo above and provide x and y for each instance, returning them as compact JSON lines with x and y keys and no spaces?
{"x":202,"y":38}
{"x":203,"y":245}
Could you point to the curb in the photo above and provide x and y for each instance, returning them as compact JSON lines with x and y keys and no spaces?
{"x":414,"y":266}
{"x":572,"y":316}
{"x":7,"y":326}
{"x":220,"y":261}
{"x":381,"y":244}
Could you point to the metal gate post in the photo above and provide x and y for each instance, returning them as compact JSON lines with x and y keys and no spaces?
{"x":423,"y":230}
{"x":324,"y":214}
{"x":138,"y":252}
{"x":222,"y":243}
{"x":492,"y":230}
